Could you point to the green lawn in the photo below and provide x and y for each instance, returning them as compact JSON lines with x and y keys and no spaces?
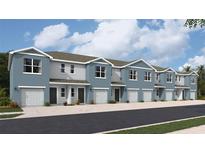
{"x":8,"y":109}
{"x":9,"y":116}
{"x":164,"y":128}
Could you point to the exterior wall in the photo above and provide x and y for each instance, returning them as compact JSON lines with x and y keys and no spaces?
{"x":55,"y":71}
{"x":116,"y":74}
{"x":139,"y":83}
{"x":97,"y":82}
{"x":18,"y":78}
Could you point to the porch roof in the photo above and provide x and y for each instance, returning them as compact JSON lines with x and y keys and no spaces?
{"x":119,"y":84}
{"x":159,"y":85}
{"x":69,"y":82}
{"x":181,"y":87}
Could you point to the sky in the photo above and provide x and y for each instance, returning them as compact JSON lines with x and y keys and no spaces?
{"x":167,"y":43}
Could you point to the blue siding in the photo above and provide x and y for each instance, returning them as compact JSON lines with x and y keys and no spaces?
{"x":18,"y":78}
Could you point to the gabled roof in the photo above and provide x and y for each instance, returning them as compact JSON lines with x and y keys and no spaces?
{"x":70,"y":57}
{"x":159,"y":68}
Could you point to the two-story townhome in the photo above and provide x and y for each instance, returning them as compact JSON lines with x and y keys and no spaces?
{"x":56,"y":77}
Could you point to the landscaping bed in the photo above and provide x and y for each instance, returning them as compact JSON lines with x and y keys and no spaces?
{"x":4,"y":116}
{"x":164,"y":128}
{"x":9,"y":109}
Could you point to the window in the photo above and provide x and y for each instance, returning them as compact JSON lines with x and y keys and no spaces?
{"x":72,"y":92}
{"x":169,"y":77}
{"x":62,"y":92}
{"x":100,"y":71}
{"x":178,"y":78}
{"x":157,"y":76}
{"x":63,"y":68}
{"x":157,"y":92}
{"x":147,"y":76}
{"x":132,"y":74}
{"x":193,"y":80}
{"x":32,"y":65}
{"x":71,"y":68}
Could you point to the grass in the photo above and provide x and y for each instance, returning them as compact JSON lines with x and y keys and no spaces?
{"x":164,"y":128}
{"x":9,"y":116}
{"x":9,"y":109}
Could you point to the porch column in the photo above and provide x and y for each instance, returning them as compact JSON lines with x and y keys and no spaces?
{"x":69,"y":94}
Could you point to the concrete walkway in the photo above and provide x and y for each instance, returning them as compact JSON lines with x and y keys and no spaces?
{"x":79,"y":109}
{"x":193,"y":130}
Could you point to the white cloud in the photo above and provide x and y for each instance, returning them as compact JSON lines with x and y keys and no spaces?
{"x":53,"y":36}
{"x":122,"y":38}
{"x":26,"y":36}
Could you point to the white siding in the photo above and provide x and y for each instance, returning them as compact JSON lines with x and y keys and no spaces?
{"x":116,"y":74}
{"x":79,"y":71}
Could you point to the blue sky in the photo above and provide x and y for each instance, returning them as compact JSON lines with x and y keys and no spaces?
{"x":160,"y":42}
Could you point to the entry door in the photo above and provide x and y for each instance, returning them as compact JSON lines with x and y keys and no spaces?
{"x":117,"y":95}
{"x":81,"y":95}
{"x":53,"y":95}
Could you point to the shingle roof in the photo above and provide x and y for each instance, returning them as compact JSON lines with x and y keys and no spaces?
{"x":70,"y":56}
{"x":117,"y":62}
{"x":159,"y":68}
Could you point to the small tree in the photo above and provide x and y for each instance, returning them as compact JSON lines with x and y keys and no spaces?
{"x":193,"y":23}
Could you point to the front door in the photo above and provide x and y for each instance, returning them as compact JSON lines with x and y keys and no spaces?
{"x":81,"y":95}
{"x":53,"y":95}
{"x":117,"y":95}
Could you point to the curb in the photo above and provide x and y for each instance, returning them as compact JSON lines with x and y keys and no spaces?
{"x":116,"y":130}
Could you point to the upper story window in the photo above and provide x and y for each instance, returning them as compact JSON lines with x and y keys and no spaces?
{"x":32,"y":66}
{"x":193,"y":80}
{"x":169,"y":77}
{"x":62,"y":92}
{"x":100,"y":72}
{"x":147,"y":76}
{"x":157,"y":75}
{"x":71,"y":68}
{"x":178,"y":78}
{"x":63,"y":68}
{"x":132,"y":74}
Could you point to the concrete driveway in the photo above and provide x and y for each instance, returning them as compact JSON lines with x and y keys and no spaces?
{"x":80,"y":109}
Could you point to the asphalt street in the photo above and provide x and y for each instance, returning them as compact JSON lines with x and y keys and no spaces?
{"x":97,"y":122}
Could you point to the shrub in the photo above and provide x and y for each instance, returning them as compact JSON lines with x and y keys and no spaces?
{"x":2,"y":92}
{"x":142,"y":101}
{"x":13,"y":105}
{"x":4,"y":101}
{"x":47,"y":104}
{"x":111,"y":102}
{"x":127,"y":101}
{"x":92,"y":102}
{"x":155,"y":100}
{"x":65,"y":103}
{"x":78,"y":102}
{"x":175,"y":99}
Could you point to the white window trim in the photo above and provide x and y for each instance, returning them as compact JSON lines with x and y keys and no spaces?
{"x":147,"y":76}
{"x":171,"y":78}
{"x":100,"y":72}
{"x":40,"y":66}
{"x":73,"y":92}
{"x":136,"y":74}
{"x":73,"y":69}
{"x":63,"y":92}
{"x":62,"y":68}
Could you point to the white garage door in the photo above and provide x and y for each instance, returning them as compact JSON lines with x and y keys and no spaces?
{"x":132,"y":96}
{"x":147,"y":96}
{"x":100,"y":96}
{"x":32,"y":97}
{"x":169,"y":95}
{"x":192,"y":95}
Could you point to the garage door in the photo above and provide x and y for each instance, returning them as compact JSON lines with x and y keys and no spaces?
{"x":132,"y":96}
{"x":32,"y":97}
{"x":192,"y":95}
{"x":100,"y":96}
{"x":147,"y":95}
{"x":169,"y":95}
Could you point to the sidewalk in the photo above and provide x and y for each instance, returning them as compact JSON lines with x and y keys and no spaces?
{"x":193,"y":130}
{"x":80,"y":109}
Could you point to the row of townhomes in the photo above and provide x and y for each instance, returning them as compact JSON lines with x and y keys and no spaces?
{"x":37,"y":77}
